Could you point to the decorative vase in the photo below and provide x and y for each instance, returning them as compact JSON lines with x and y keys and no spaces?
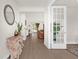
{"x":16,"y":33}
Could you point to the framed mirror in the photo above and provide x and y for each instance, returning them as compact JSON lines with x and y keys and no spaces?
{"x":9,"y":14}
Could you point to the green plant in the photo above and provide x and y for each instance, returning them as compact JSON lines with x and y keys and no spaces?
{"x":18,"y":30}
{"x":37,"y":25}
{"x":19,"y":27}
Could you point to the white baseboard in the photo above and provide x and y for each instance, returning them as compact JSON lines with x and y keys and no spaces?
{"x":72,"y":42}
{"x":46,"y":45}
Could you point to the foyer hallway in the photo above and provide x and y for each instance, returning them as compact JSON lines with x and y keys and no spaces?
{"x":35,"y":49}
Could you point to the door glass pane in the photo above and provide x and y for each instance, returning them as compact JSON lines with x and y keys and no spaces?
{"x":58,"y":25}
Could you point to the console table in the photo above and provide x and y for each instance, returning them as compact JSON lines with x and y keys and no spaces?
{"x":15,"y":45}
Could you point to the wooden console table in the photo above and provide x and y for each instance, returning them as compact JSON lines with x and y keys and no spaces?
{"x":15,"y":45}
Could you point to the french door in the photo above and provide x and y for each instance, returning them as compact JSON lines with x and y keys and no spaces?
{"x":58,"y":22}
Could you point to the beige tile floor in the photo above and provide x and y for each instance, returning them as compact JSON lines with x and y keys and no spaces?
{"x":35,"y":49}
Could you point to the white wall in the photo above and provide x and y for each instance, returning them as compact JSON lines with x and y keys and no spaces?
{"x":35,"y":17}
{"x":31,"y":9}
{"x":72,"y":19}
{"x":47,"y":28}
{"x":5,"y":29}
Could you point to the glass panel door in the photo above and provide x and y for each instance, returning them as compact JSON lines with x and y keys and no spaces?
{"x":58,"y":25}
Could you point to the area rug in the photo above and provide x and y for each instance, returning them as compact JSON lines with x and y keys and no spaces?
{"x":73,"y":48}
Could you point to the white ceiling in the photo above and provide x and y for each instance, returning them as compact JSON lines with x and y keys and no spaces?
{"x":33,"y":3}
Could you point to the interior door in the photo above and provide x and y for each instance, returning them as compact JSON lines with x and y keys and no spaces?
{"x":59,"y":26}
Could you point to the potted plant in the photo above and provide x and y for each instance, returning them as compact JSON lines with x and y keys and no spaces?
{"x":37,"y":26}
{"x":19,"y":28}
